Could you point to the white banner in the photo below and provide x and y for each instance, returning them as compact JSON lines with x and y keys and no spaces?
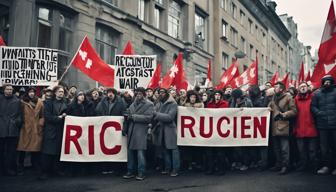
{"x":28,"y":66}
{"x":223,"y":127}
{"x":132,"y":71}
{"x":94,"y":139}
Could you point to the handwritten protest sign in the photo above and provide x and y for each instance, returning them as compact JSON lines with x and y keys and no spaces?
{"x":133,"y":71}
{"x":28,"y":66}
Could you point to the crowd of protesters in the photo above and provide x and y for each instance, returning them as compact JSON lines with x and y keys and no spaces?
{"x":302,"y":131}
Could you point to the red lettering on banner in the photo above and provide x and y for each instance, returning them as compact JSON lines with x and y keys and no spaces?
{"x":234,"y":127}
{"x":116,"y":149}
{"x":219,"y":130}
{"x":202,"y":129}
{"x":244,"y":127}
{"x":259,"y":125}
{"x":72,"y":138}
{"x":91,"y":142}
{"x":190,"y":126}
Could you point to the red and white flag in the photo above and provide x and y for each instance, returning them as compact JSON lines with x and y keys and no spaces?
{"x":2,"y":42}
{"x":301,"y":74}
{"x":155,"y":81}
{"x":275,"y":78}
{"x":175,"y":75}
{"x":208,"y":81}
{"x":231,"y":73}
{"x":249,"y":77}
{"x":286,"y":80}
{"x":327,"y":49}
{"x":308,"y":76}
{"x":88,"y":61}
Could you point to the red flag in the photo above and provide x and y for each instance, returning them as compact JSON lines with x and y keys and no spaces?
{"x":308,"y":76}
{"x":275,"y":78}
{"x":231,"y":73}
{"x":208,"y":80}
{"x":327,"y":49}
{"x":154,"y":82}
{"x":2,"y":42}
{"x":175,"y":75}
{"x":88,"y":61}
{"x":301,"y":74}
{"x":250,"y":76}
{"x":128,"y":50}
{"x":286,"y":81}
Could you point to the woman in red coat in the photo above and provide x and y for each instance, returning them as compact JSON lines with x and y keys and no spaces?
{"x":304,"y":128}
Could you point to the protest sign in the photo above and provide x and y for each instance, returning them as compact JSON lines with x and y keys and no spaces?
{"x":132,"y":71}
{"x":94,"y":139}
{"x":223,"y":127}
{"x":28,"y":66}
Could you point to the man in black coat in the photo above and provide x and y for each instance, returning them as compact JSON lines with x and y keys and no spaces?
{"x":54,"y":114}
{"x":323,"y":107}
{"x":11,"y":121}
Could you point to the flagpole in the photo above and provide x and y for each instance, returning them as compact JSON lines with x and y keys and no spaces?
{"x":68,"y":67}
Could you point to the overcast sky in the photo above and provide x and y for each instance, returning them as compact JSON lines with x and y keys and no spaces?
{"x":310,"y":15}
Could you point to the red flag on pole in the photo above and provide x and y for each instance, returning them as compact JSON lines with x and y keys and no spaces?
{"x":308,"y":76}
{"x":2,"y":42}
{"x":301,"y":74}
{"x":88,"y":61}
{"x":327,"y":49}
{"x":285,"y":80}
{"x":231,"y":73}
{"x":250,"y":76}
{"x":154,"y":82}
{"x":208,"y":80}
{"x":128,"y":50}
{"x":275,"y":78}
{"x":175,"y":76}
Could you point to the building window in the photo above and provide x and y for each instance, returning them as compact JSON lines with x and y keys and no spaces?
{"x":65,"y":34}
{"x":107,"y":41}
{"x":242,"y":17}
{"x":243,"y":44}
{"x":233,"y":10}
{"x":257,"y":32}
{"x":264,"y":39}
{"x":44,"y":27}
{"x":225,"y":61}
{"x":174,"y":19}
{"x":234,"y":37}
{"x":251,"y":52}
{"x":250,"y":26}
{"x":224,"y":29}
{"x":199,"y":29}
{"x":157,"y":17}
{"x":141,"y":10}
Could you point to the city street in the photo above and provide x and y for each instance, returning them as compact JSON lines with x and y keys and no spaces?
{"x":232,"y":181}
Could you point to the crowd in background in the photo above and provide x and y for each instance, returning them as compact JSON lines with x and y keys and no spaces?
{"x":302,"y":132}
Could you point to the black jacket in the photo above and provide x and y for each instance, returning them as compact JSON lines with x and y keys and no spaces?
{"x":323,"y":107}
{"x":10,"y":116}
{"x":117,"y":109}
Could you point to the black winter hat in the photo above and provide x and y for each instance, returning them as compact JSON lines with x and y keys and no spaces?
{"x":237,"y":93}
{"x":328,"y":78}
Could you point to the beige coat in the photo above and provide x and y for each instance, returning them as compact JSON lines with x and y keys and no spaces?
{"x":31,"y":132}
{"x":287,"y":105}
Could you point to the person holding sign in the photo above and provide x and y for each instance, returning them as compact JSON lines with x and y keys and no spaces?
{"x":139,"y":116}
{"x":54,"y":114}
{"x":164,"y":131}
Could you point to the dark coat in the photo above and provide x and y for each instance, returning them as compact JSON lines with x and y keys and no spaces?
{"x":323,"y":107}
{"x":141,"y":114}
{"x":118,"y":108}
{"x":165,"y":128}
{"x":53,"y":128}
{"x":81,"y":110}
{"x":10,"y":116}
{"x":245,"y":102}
